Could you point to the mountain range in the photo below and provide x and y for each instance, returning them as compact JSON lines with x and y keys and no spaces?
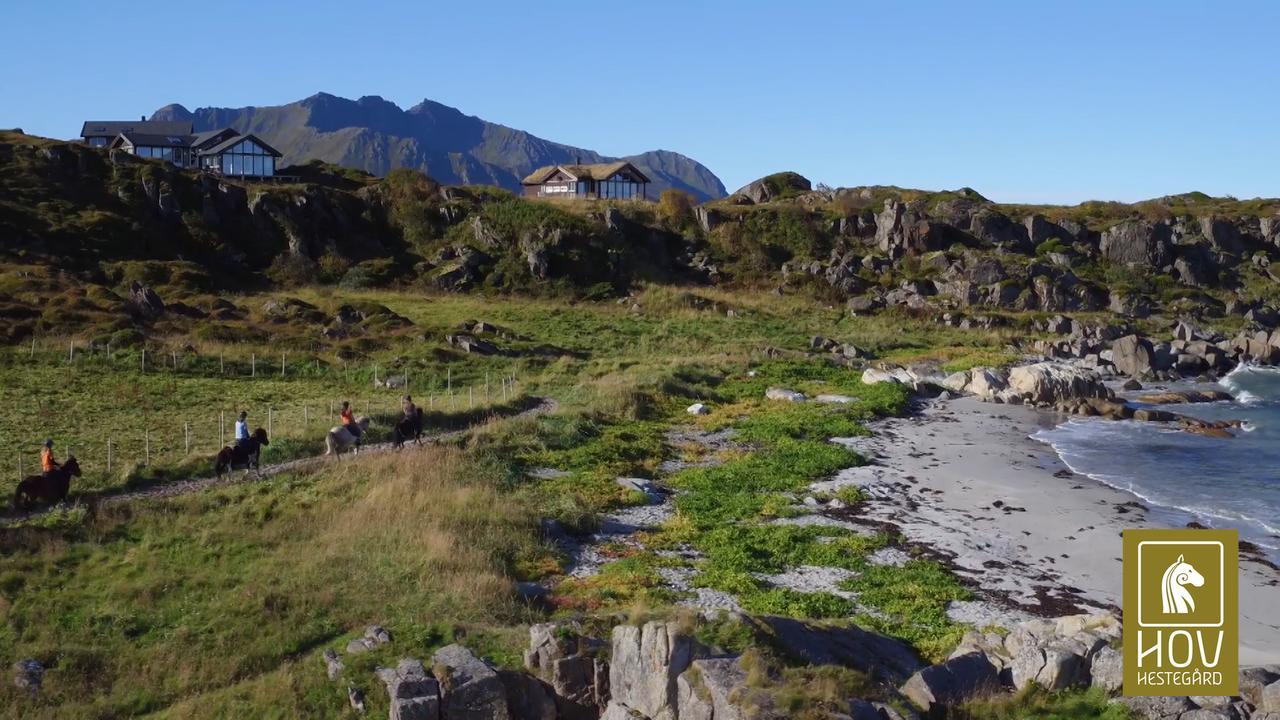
{"x":376,"y":135}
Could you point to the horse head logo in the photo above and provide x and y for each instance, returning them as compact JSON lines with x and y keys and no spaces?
{"x":1174,"y":595}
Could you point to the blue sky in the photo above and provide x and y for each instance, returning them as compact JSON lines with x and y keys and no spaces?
{"x":1023,"y":101}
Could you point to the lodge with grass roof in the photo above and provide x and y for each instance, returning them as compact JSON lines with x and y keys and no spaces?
{"x":599,"y":181}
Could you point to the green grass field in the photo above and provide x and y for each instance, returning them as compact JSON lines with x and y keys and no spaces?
{"x":219,"y":603}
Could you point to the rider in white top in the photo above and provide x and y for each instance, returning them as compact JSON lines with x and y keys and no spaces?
{"x":242,"y":428}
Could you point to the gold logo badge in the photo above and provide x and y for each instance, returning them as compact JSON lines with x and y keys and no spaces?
{"x":1181,"y":629}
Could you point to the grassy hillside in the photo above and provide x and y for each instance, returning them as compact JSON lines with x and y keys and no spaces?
{"x":229,"y":596}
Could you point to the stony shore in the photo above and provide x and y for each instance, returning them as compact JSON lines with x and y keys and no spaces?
{"x":964,"y":479}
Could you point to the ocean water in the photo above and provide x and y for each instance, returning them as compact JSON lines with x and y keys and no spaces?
{"x":1218,"y":482}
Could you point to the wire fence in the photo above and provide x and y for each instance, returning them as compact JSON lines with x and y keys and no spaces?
{"x":294,"y":428}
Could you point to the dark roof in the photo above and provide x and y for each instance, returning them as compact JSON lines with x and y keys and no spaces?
{"x":235,"y":140}
{"x":153,"y":140}
{"x":209,"y":136}
{"x":112,"y":128}
{"x":596,"y":171}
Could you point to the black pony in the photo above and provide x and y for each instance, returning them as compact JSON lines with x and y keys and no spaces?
{"x":409,"y":428}
{"x":246,"y":454}
{"x":52,"y":488}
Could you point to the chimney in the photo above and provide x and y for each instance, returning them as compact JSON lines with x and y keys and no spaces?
{"x":142,"y":118}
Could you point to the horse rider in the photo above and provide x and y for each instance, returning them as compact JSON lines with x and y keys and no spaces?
{"x":348,"y":419}
{"x":242,"y":428}
{"x":410,"y":410}
{"x":47,"y":463}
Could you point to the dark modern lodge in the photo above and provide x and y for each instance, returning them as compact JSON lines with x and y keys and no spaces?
{"x":620,"y":180}
{"x":224,"y":152}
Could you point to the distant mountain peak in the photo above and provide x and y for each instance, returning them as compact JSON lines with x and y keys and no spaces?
{"x":376,"y":135}
{"x":172,"y":111}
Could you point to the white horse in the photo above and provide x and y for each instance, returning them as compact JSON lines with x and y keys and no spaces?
{"x":1177,"y":599}
{"x":340,"y":439}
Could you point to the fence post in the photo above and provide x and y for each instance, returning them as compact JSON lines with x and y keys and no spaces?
{"x":306,"y":416}
{"x":71,"y":352}
{"x":222,"y":368}
{"x":146,"y":446}
{"x":19,"y":466}
{"x":108,"y":351}
{"x":222,"y":428}
{"x":144,"y":359}
{"x":253,"y":364}
{"x":269,"y":430}
{"x":108,"y":456}
{"x":175,"y":359}
{"x":282,"y":364}
{"x":33,"y":346}
{"x":186,"y":436}
{"x":471,"y":401}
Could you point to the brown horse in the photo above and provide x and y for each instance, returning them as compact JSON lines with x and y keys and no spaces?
{"x":246,"y":454}
{"x":408,"y":429}
{"x":51,"y":488}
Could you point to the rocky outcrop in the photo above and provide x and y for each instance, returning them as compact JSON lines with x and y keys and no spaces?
{"x":706,"y":691}
{"x":413,"y":693}
{"x":374,"y":635}
{"x":1138,"y":242}
{"x":644,"y":664}
{"x":143,"y":302}
{"x":951,"y":682}
{"x":1132,"y":355}
{"x":1047,"y":383}
{"x":469,"y":689}
{"x":773,"y":187}
{"x":879,"y":656}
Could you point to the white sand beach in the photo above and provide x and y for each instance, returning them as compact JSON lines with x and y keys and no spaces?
{"x":964,"y":479}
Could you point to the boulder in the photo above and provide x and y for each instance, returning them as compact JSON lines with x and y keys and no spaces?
{"x":1049,"y":382}
{"x":1269,"y":697}
{"x":568,"y":662}
{"x":775,"y":186}
{"x":644,"y":664}
{"x":986,"y":383}
{"x":692,"y":698}
{"x":332,"y":663}
{"x":1106,"y":669}
{"x":414,"y":694}
{"x":1138,"y":242}
{"x":1254,"y":679}
{"x":528,"y":698}
{"x":1132,"y":355}
{"x":144,"y":302}
{"x":951,"y":682}
{"x":863,"y":304}
{"x":711,"y":684}
{"x":877,"y":655}
{"x":784,"y":394}
{"x":374,"y":635}
{"x":1157,"y":708}
{"x":469,"y":689}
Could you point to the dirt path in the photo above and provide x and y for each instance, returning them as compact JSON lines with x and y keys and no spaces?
{"x":185,"y":487}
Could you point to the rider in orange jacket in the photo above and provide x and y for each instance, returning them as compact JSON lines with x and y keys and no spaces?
{"x":47,"y":463}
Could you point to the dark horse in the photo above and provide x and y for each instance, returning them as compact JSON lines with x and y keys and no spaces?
{"x":51,"y":488}
{"x":246,"y":454}
{"x":408,"y":429}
